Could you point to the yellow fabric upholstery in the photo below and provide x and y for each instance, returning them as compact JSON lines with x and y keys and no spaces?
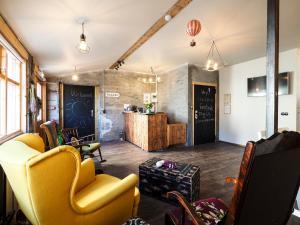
{"x":55,"y":188}
{"x":33,"y":141}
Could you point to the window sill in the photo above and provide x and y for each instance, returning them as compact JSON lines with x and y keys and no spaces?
{"x":9,"y":137}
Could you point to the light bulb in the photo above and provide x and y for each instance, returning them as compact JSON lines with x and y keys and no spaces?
{"x":216,"y":66}
{"x":75,"y":77}
{"x":158,"y":79}
{"x":150,"y":80}
{"x":144,"y":80}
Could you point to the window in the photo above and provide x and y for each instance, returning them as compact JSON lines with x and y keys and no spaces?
{"x":39,"y":95}
{"x":10,"y":93}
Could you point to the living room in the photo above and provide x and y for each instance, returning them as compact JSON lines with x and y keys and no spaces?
{"x":149,"y":112}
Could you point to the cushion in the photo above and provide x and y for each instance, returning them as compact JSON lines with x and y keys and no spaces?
{"x":93,"y":147}
{"x":212,"y":211}
{"x":136,"y":221}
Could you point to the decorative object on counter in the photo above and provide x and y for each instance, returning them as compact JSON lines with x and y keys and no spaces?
{"x":193,"y":28}
{"x":149,"y":107}
{"x":156,"y":182}
{"x":130,"y":108}
{"x":214,"y":59}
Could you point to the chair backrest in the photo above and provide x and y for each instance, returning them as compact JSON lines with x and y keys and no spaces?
{"x":50,"y":129}
{"x":269,"y":182}
{"x":69,"y":133}
{"x":33,"y":175}
{"x":13,"y":157}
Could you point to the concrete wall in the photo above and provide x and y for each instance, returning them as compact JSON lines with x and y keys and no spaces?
{"x":175,"y":94}
{"x":108,"y":125}
{"x":248,"y":114}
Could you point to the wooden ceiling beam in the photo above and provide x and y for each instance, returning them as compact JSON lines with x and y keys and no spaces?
{"x":173,"y":11}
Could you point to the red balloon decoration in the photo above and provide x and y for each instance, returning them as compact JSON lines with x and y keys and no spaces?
{"x":193,"y":28}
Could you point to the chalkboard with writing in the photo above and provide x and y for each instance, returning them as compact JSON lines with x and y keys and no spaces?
{"x":78,"y":108}
{"x":204,"y":114}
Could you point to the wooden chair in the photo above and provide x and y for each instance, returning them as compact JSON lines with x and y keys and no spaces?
{"x":264,"y":193}
{"x":87,"y":143}
{"x":83,"y":144}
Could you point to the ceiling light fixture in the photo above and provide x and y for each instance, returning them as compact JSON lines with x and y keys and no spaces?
{"x":214,"y":60}
{"x":168,"y":17}
{"x":83,"y":46}
{"x":75,"y":76}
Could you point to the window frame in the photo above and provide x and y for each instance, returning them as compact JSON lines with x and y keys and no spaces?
{"x":5,"y":77}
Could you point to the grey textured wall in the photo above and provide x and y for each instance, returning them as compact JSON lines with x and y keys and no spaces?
{"x":109,"y":125}
{"x":175,"y":94}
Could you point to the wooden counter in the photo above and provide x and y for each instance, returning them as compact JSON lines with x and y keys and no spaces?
{"x":146,"y":131}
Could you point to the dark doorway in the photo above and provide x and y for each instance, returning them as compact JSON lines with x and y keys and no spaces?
{"x":79,"y":108}
{"x":204,"y":114}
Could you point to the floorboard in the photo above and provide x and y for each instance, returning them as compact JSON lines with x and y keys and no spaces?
{"x":216,"y":160}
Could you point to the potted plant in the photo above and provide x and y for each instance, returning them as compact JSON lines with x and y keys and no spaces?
{"x":149,"y":107}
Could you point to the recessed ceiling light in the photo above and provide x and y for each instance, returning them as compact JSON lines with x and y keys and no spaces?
{"x":168,"y":17}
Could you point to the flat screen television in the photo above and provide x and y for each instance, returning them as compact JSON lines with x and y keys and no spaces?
{"x":257,"y":86}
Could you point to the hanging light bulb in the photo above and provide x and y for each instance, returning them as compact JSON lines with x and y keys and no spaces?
{"x":212,"y":64}
{"x":75,"y":76}
{"x":83,"y":46}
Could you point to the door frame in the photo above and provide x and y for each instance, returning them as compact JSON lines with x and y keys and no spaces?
{"x":194,"y":83}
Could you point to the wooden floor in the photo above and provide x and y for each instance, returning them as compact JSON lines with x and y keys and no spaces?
{"x":217,"y":161}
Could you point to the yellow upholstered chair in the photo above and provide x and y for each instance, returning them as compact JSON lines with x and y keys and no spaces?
{"x":56,"y":188}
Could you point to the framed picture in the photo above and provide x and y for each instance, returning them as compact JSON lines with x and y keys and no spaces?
{"x":227,"y":103}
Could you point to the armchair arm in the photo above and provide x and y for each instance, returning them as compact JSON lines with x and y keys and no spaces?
{"x":232,"y":180}
{"x":86,"y":174}
{"x":185,"y":208}
{"x":102,"y":198}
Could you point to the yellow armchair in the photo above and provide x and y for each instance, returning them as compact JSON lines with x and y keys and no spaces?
{"x":56,"y":188}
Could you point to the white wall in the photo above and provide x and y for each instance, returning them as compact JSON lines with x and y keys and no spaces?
{"x":248,"y":114}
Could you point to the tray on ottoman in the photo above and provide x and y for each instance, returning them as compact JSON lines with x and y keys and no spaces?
{"x":156,"y":182}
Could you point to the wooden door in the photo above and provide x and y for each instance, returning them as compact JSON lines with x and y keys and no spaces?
{"x":79,"y":108}
{"x":204,"y":114}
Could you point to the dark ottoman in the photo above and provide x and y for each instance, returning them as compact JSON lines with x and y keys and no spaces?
{"x":156,"y":182}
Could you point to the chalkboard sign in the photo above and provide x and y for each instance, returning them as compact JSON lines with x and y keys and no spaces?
{"x":204,"y":114}
{"x":78,"y":105}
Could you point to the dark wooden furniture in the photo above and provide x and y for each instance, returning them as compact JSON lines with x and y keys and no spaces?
{"x":176,"y":134}
{"x":87,"y":143}
{"x":265,"y":190}
{"x":146,"y":131}
{"x":156,"y":182}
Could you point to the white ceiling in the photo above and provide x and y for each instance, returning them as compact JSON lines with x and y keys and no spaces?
{"x":50,"y":30}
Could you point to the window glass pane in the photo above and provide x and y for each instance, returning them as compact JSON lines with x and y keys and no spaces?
{"x":13,"y":67}
{"x":39,"y":95}
{"x":13,"y":108}
{"x":2,"y":107}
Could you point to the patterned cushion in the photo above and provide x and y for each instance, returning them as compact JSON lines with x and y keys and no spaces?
{"x":212,"y":211}
{"x":136,"y":221}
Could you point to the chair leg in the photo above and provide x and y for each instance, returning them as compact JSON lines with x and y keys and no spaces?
{"x":101,"y":159}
